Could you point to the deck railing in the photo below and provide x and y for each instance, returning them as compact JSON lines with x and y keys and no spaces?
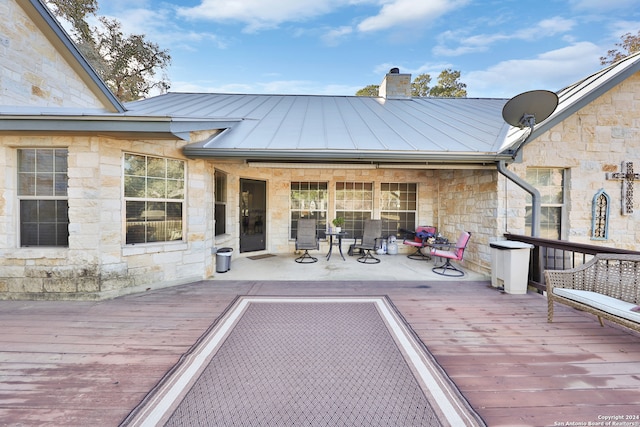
{"x":558,"y":255}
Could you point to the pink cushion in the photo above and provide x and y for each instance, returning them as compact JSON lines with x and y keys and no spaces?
{"x":444,"y":254}
{"x":461,"y":244}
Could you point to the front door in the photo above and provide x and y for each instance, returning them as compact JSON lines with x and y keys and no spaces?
{"x":253,"y":209}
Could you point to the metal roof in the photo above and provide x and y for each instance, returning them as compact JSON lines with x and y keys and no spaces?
{"x":339,"y":127}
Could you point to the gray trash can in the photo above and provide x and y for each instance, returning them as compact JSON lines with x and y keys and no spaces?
{"x":223,"y":260}
{"x":510,"y":265}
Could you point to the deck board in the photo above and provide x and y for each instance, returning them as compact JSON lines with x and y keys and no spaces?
{"x":90,"y":363}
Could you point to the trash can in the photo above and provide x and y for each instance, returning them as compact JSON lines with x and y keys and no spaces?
{"x":223,"y":260}
{"x":510,"y":265}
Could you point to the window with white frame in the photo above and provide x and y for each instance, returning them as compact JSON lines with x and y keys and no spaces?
{"x":550,"y":183}
{"x":309,"y":200}
{"x":398,"y":206}
{"x":42,"y":195}
{"x":154,"y":198}
{"x":221,"y":203}
{"x":354,"y":203}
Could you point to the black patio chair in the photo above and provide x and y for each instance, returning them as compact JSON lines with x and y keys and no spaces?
{"x":306,"y":240}
{"x":369,"y":241}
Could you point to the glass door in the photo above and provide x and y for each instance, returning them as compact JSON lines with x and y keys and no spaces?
{"x":253,"y":209}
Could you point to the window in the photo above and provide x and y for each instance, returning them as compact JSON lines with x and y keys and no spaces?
{"x":550,"y":184}
{"x":154,"y":198}
{"x":398,"y":204}
{"x":354,"y":202}
{"x":309,"y":200}
{"x":600,"y":216}
{"x":220,"y":214}
{"x":42,"y":194}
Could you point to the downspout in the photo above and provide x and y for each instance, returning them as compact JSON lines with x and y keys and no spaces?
{"x":535,"y":196}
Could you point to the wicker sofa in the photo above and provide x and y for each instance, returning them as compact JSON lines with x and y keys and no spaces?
{"x":607,"y":286}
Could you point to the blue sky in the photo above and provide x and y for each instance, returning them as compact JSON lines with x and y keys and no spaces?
{"x":335,"y":47}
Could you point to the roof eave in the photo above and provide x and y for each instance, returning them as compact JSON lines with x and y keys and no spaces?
{"x":117,"y":126}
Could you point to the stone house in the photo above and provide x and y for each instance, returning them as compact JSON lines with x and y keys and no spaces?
{"x":101,"y":198}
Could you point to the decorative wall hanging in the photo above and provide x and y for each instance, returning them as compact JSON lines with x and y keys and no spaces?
{"x":627,"y":176}
{"x":600,"y":216}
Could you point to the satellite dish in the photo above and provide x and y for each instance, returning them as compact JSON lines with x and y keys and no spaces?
{"x":529,"y":108}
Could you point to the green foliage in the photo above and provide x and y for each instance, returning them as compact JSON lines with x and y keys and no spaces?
{"x":630,"y":44}
{"x":128,"y":64}
{"x":338,"y":222}
{"x":420,"y":85}
{"x":449,"y":86}
{"x":75,"y":11}
{"x":371,"y":90}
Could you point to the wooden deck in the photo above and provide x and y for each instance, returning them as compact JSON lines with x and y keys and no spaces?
{"x":90,"y":363}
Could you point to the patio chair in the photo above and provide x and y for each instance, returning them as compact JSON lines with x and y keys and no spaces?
{"x":418,"y":239}
{"x":451,"y":252}
{"x":306,"y":240}
{"x":369,"y":241}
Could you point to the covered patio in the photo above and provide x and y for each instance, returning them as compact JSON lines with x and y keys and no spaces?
{"x":90,"y":363}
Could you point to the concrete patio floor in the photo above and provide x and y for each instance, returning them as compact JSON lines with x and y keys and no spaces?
{"x":391,"y":267}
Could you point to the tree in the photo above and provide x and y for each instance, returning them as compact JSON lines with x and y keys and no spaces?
{"x":128,"y":64}
{"x":420,"y":85}
{"x":630,"y":44}
{"x":449,"y":86}
{"x":371,"y":90}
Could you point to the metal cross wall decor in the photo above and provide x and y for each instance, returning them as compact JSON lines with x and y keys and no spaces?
{"x":627,"y":176}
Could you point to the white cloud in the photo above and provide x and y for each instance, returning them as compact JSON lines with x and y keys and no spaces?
{"x":335,"y":35}
{"x":158,"y":26}
{"x":551,"y":70}
{"x":396,"y":13}
{"x":481,"y":42}
{"x":260,"y":14}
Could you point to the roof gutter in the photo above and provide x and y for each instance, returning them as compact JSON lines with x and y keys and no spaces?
{"x":535,"y":196}
{"x":352,"y":156}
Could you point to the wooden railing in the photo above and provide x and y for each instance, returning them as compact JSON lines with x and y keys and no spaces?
{"x":558,"y":255}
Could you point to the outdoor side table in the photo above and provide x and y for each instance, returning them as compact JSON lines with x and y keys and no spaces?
{"x":339,"y":237}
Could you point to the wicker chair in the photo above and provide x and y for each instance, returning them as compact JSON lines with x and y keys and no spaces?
{"x":306,"y":240}
{"x":451,"y":252}
{"x":607,"y":286}
{"x":369,"y":241}
{"x":418,"y":239}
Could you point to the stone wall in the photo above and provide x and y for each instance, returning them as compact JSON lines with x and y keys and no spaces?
{"x":97,"y":263}
{"x":467,"y":201}
{"x":32,"y":72}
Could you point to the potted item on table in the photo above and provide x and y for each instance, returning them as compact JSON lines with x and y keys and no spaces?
{"x":338,"y":223}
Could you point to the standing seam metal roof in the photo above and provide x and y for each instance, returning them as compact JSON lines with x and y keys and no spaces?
{"x":339,"y":123}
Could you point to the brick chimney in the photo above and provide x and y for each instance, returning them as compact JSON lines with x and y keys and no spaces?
{"x":395,"y":85}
